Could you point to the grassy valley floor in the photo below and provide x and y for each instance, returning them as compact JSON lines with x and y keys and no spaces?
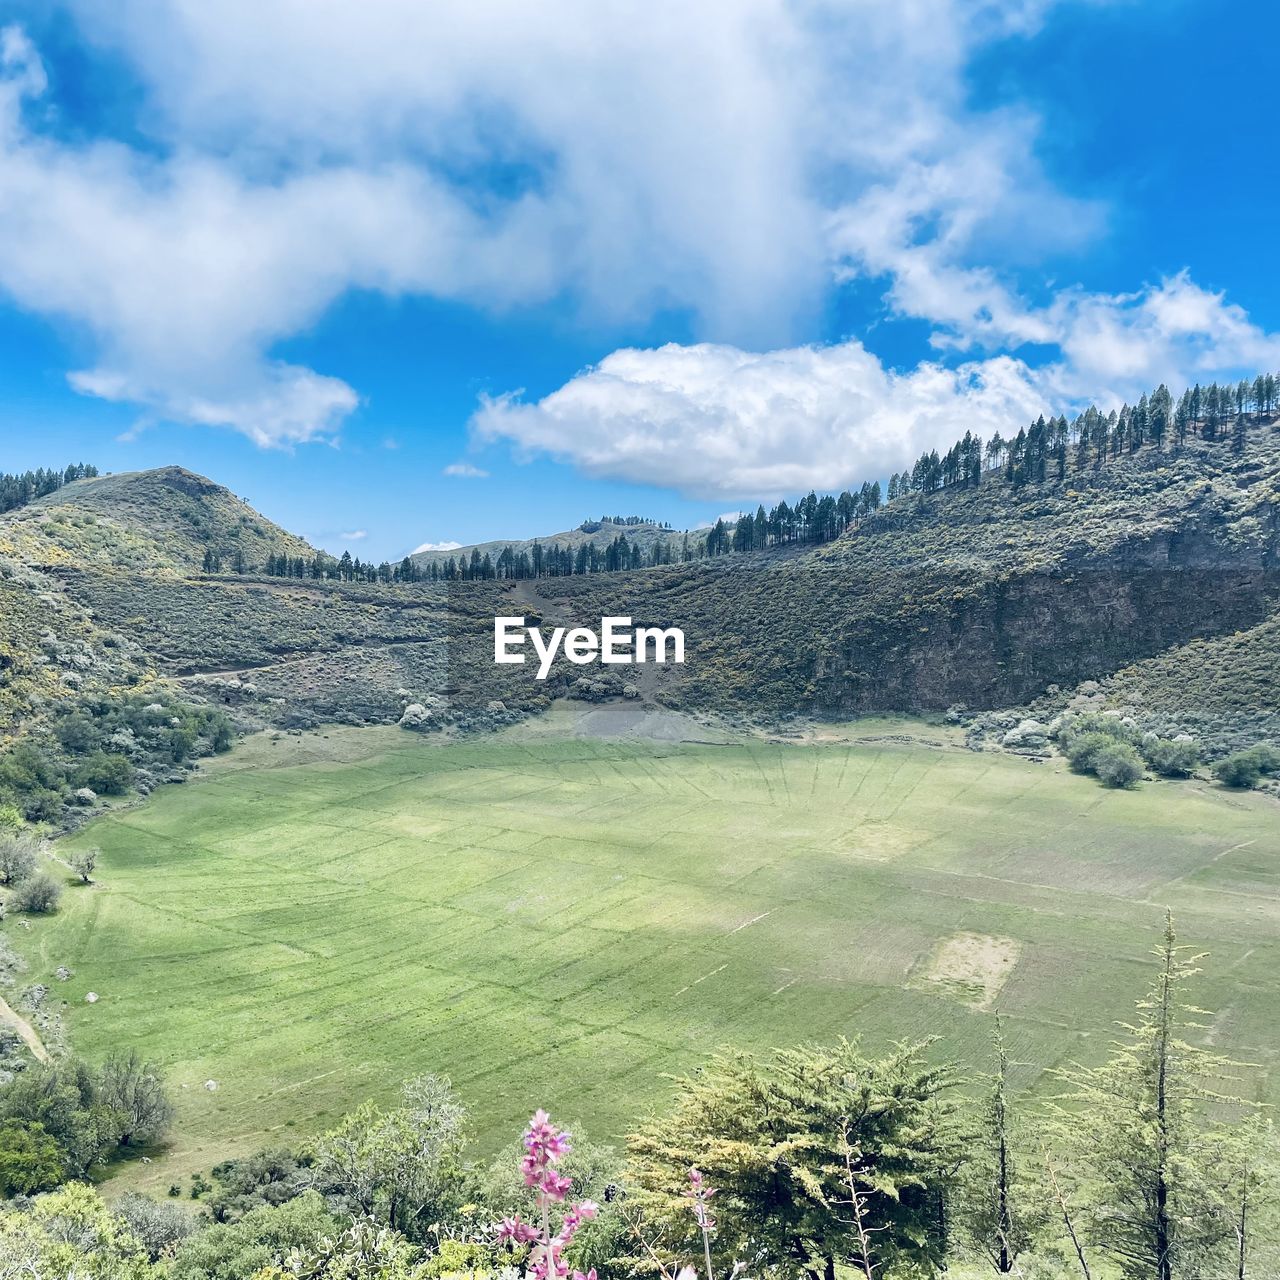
{"x":557,"y":920}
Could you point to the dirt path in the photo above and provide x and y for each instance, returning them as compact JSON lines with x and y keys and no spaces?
{"x":10,"y":1016}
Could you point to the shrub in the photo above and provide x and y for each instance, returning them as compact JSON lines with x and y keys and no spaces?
{"x":82,"y":862}
{"x":1083,"y":750}
{"x":133,"y":1090}
{"x":38,"y":895}
{"x":1267,"y":758}
{"x":1112,"y":726}
{"x":30,"y":1160}
{"x":1171,"y":758}
{"x":1238,"y":770}
{"x":106,"y":773}
{"x":17,"y":859}
{"x":157,"y":1226}
{"x":262,"y":1238}
{"x":1117,"y":765}
{"x":78,"y":734}
{"x":264,"y":1178}
{"x":62,"y":1098}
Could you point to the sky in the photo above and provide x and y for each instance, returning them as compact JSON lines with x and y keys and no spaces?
{"x":406,"y":273}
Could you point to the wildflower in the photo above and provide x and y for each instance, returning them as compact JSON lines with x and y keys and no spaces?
{"x":545,"y":1145}
{"x":700,"y":1194}
{"x":517,"y":1232}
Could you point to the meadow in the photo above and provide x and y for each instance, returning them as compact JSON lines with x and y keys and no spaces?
{"x":557,"y":921}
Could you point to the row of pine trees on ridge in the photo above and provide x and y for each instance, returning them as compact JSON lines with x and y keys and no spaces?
{"x":1045,"y":451}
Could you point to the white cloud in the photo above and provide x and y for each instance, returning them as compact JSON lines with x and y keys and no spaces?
{"x":356,"y":535}
{"x":719,"y":420}
{"x":724,"y":160}
{"x":436,"y":546}
{"x":715,"y":419}
{"x":465,"y":471}
{"x":705,"y":160}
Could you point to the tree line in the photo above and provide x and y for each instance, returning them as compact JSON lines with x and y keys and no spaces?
{"x":810,"y":520}
{"x":1048,"y":447}
{"x":17,"y":488}
{"x":1045,"y":450}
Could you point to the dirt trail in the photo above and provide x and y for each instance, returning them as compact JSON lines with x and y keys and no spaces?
{"x":10,"y":1016}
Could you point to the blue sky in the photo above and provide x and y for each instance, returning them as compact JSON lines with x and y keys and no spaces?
{"x":616,"y":258}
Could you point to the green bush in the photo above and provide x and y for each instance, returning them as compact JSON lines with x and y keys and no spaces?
{"x":1238,"y":770}
{"x":107,"y":774}
{"x":1172,"y":759}
{"x":1267,"y":758}
{"x":32,"y":781}
{"x":38,"y":895}
{"x":30,"y":1160}
{"x":18,"y":856}
{"x":262,"y":1238}
{"x":1117,"y":765}
{"x":1244,"y":769}
{"x":1083,"y":749}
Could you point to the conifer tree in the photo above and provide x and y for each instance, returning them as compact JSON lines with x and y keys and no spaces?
{"x":1138,"y":1130}
{"x":1000,"y":1211}
{"x":783,"y":1139}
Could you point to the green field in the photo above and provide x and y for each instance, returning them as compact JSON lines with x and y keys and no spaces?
{"x":556,"y":922}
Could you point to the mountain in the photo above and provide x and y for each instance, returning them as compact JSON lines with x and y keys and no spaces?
{"x":141,"y":521}
{"x":591,"y":533}
{"x":985,"y":595}
{"x":1152,"y":577}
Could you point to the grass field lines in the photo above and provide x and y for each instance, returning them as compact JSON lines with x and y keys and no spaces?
{"x":560,"y":923}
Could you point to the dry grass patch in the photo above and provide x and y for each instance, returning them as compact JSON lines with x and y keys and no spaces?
{"x":970,"y":967}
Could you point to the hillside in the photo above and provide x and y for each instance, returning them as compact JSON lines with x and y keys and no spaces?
{"x":142,"y":521}
{"x":1157,"y":573}
{"x":984,"y":596}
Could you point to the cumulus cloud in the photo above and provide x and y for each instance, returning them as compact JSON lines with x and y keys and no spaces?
{"x":715,"y":419}
{"x":465,"y":471}
{"x":436,"y":546}
{"x":356,"y":535}
{"x":727,"y":160}
{"x":718,"y":420}
{"x":705,"y":160}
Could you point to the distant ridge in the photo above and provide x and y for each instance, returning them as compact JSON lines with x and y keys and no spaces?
{"x":596,"y":533}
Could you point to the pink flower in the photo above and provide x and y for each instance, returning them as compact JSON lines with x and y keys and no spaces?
{"x":574,"y":1217}
{"x":516,"y":1231}
{"x":546,"y":1145}
{"x":558,"y":1266}
{"x":700,"y":1194}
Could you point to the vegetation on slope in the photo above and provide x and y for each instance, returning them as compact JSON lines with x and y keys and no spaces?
{"x":20,"y":487}
{"x":985,"y":583}
{"x":984,"y":596}
{"x":139,"y":522}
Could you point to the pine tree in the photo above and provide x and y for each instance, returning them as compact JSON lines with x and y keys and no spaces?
{"x":1000,"y":1212}
{"x":788,"y":1143}
{"x":1138,"y":1128}
{"x":1245,"y":1173}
